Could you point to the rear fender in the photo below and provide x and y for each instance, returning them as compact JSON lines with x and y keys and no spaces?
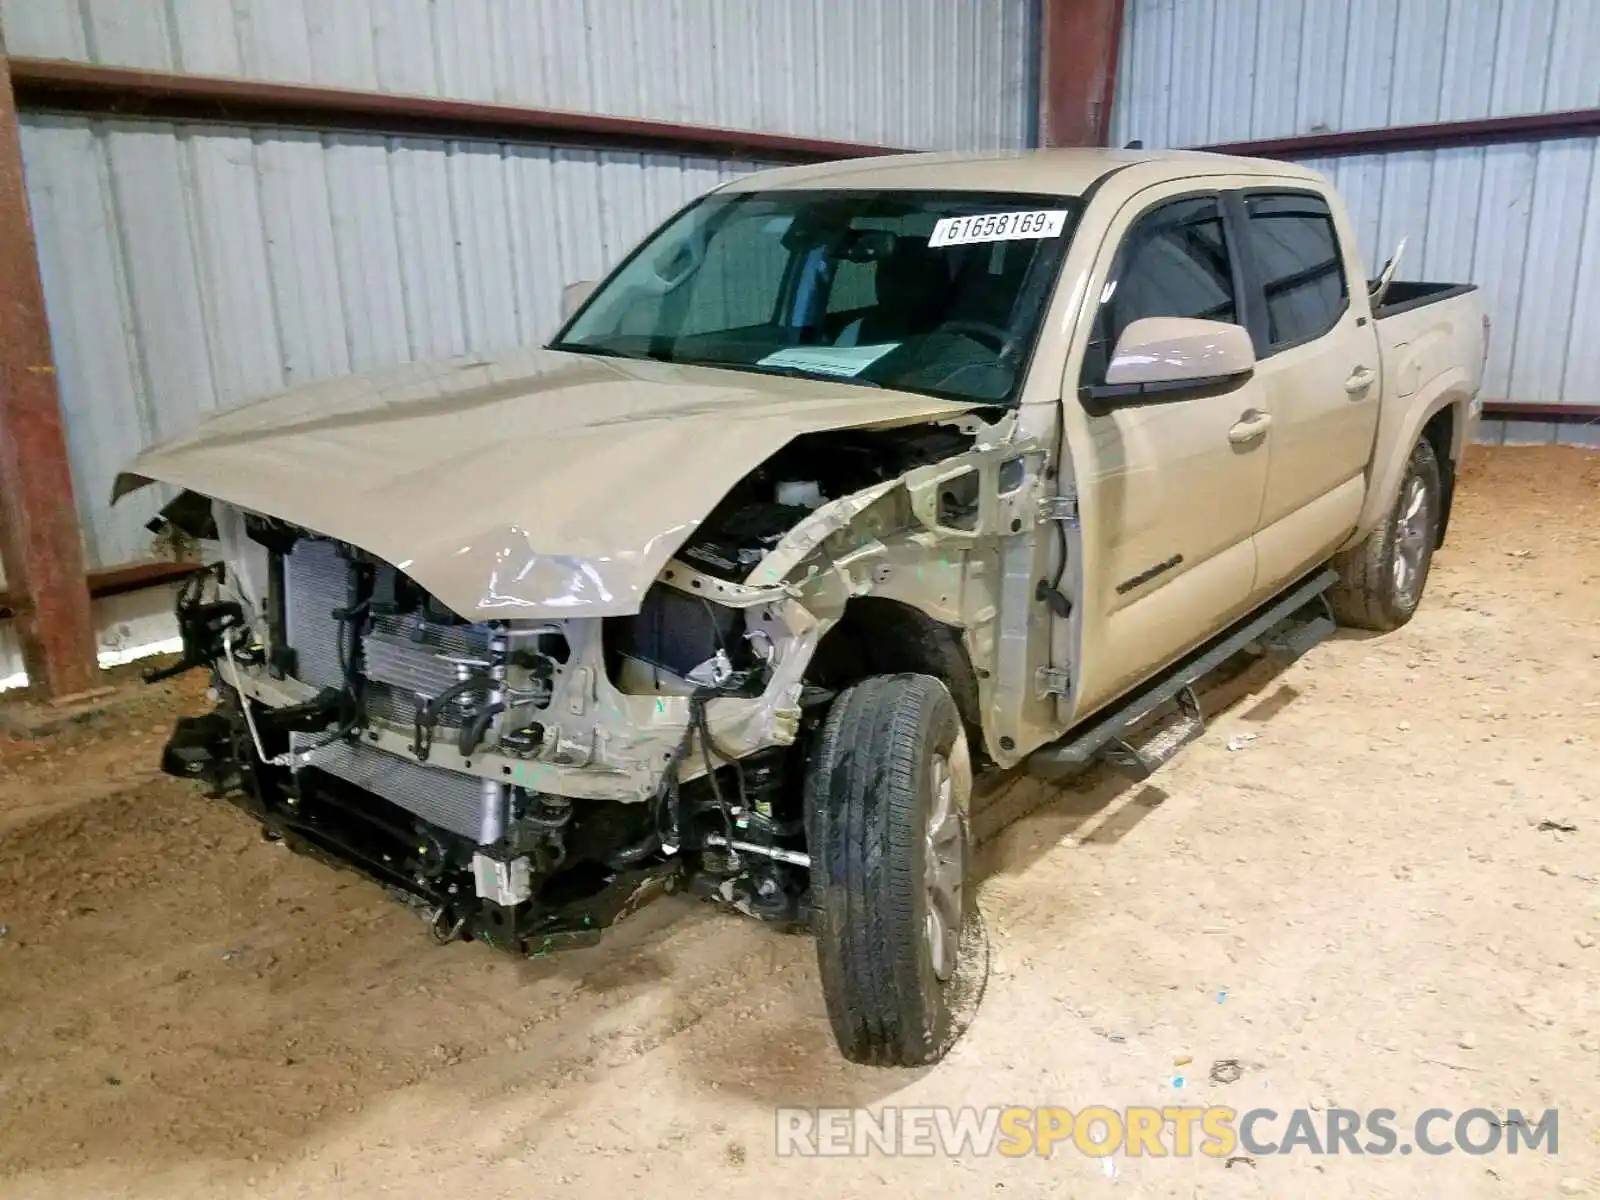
{"x":1397,"y":435}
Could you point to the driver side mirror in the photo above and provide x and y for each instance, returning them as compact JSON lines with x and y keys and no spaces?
{"x":573,"y":296}
{"x":1167,"y":358}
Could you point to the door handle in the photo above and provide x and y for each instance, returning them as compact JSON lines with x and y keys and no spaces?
{"x":1250,"y":426}
{"x":1360,"y":380}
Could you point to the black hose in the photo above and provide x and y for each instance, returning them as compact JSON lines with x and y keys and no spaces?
{"x":630,"y":856}
{"x":473,"y":731}
{"x":427,"y":715}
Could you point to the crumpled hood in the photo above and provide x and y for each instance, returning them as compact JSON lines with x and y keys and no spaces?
{"x":534,"y":485}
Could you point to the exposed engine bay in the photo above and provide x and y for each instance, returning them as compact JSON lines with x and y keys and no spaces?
{"x":526,"y":782}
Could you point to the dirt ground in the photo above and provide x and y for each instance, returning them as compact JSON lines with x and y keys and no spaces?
{"x":1359,"y":904}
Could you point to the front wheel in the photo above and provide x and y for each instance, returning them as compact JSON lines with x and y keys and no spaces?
{"x":887,"y":792}
{"x":1381,"y":580}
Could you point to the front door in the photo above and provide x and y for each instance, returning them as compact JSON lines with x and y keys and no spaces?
{"x":1317,"y":364}
{"x":1177,"y":483}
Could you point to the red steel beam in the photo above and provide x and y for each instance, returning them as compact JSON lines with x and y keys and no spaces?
{"x":1542,"y":412}
{"x":50,"y":85}
{"x":39,"y":538}
{"x":110,"y":581}
{"x":1533,"y":127}
{"x":1079,"y":42}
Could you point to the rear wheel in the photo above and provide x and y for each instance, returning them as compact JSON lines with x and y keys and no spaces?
{"x":1381,"y":580}
{"x":887,"y":792}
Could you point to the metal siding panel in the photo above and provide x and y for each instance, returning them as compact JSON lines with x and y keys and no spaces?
{"x":275,"y":41}
{"x":466,"y":49}
{"x":344,"y":52}
{"x":1276,"y":91}
{"x":1448,"y":249}
{"x":1581,"y":381}
{"x":1407,"y":185}
{"x":1545,"y":324}
{"x":1323,"y":42}
{"x":1587,"y":434}
{"x":1472,"y":33}
{"x":43,"y":30}
{"x":1504,"y":207}
{"x":425,"y":230}
{"x":736,"y":84}
{"x":1132,"y":84}
{"x":915,"y":70}
{"x":1522,"y":59}
{"x":129,"y":33}
{"x":1369,"y":65}
{"x":535,"y":241}
{"x":372,"y":296}
{"x":938,"y":73}
{"x":973,"y":88}
{"x":618,"y":86}
{"x":1189,"y":105}
{"x":152,"y":195}
{"x":1529,"y":433}
{"x":1232,"y":99}
{"x":1574,"y":79}
{"x":949,"y":104}
{"x":403,"y":45}
{"x":1360,"y":182}
{"x":565,"y":28}
{"x":207,"y":37}
{"x":1199,"y":71}
{"x":1158,"y":46}
{"x":488,"y":290}
{"x":80,"y":259}
{"x":696,"y":30}
{"x":578,"y":209}
{"x":301,"y":255}
{"x":241,"y":318}
{"x":1419,"y":56}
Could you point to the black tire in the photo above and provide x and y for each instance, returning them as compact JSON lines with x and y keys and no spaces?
{"x":1370,"y":594}
{"x":871,"y":786}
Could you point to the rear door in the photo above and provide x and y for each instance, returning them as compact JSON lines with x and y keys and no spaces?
{"x":1318,"y":370}
{"x":1178,"y":485}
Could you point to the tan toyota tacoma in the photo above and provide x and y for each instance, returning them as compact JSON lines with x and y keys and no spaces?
{"x":851,"y":480}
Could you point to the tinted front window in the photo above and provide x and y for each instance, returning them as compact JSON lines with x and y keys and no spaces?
{"x":1173,"y":263}
{"x":937,"y":292}
{"x":1297,"y":254}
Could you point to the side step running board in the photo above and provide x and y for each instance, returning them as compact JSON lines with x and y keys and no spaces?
{"x":1143,"y":754}
{"x":1272,"y":626}
{"x":1293,"y":637}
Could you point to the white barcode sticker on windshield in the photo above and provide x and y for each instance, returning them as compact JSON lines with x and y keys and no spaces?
{"x":999,"y":227}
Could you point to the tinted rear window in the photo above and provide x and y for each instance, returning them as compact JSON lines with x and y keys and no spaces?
{"x":1297,"y":253}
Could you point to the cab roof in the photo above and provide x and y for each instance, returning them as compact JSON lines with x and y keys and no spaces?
{"x":1059,"y":172}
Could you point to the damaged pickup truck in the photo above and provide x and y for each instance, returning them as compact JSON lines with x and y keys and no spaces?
{"x":851,"y":480}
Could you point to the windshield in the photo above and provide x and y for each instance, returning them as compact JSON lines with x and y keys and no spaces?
{"x":940,"y":292}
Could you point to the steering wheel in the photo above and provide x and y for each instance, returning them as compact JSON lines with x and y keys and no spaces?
{"x":979,"y":331}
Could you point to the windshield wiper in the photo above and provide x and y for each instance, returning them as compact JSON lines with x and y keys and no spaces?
{"x":775,"y":369}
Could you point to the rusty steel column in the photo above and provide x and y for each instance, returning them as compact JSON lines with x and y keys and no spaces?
{"x":1079,"y":42}
{"x":40,"y":542}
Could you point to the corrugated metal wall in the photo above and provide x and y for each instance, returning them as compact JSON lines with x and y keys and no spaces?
{"x":1523,"y":221}
{"x":190,"y":268}
{"x":917,"y":73}
{"x":1199,"y":72}
{"x":187,"y":270}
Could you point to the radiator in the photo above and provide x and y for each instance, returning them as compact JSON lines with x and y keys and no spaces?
{"x":402,"y":658}
{"x":464,"y":804}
